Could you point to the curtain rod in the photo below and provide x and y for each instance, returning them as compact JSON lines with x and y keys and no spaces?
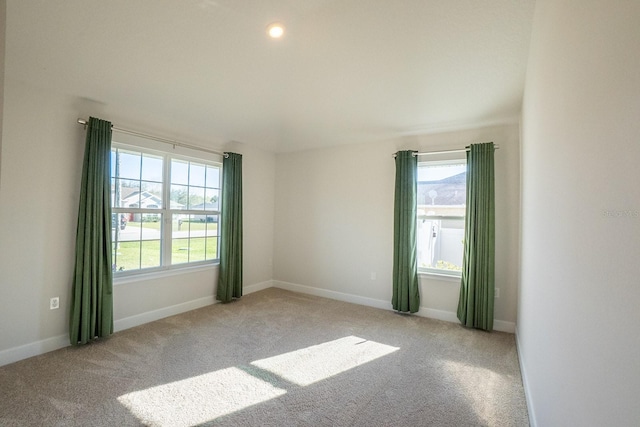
{"x":159,"y":139}
{"x":461,"y":150}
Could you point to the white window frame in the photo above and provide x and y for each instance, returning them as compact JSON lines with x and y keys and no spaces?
{"x":166,"y":239}
{"x":432,"y":271}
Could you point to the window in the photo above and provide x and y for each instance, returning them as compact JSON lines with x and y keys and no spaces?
{"x":441,"y":211}
{"x":165,"y":210}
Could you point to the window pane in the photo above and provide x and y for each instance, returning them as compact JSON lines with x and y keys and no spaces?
{"x":212,"y":225}
{"x":127,"y":194}
{"x":113,"y":163}
{"x":126,"y":242}
{"x":213,"y":177}
{"x":136,"y":240}
{"x":194,"y":238}
{"x":212,"y":196}
{"x":127,"y":256}
{"x":212,"y":248}
{"x":150,"y":253}
{"x":179,"y":172}
{"x":119,"y":223}
{"x":196,"y":174}
{"x":196,"y":249}
{"x":150,"y":225}
{"x":211,"y":242}
{"x":441,"y":195}
{"x":151,"y":195}
{"x":442,"y":189}
{"x":197,"y":226}
{"x":126,"y":229}
{"x":196,"y":198}
{"x":179,"y":196}
{"x":114,"y":193}
{"x":151,"y":168}
{"x":440,"y":244}
{"x":150,"y":222}
{"x":179,"y":225}
{"x":179,"y":251}
{"x":180,"y":239}
{"x":128,"y":164}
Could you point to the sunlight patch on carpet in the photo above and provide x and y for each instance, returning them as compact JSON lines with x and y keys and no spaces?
{"x":312,"y":364}
{"x":482,"y":388}
{"x":199,"y":399}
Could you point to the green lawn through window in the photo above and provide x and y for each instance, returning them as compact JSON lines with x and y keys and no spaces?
{"x":135,"y":255}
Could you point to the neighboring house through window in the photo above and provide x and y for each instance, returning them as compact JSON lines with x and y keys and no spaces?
{"x":441,"y":216}
{"x":166,"y":209}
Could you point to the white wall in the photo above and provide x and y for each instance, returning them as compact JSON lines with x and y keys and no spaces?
{"x":42,"y":155}
{"x":3,"y":32}
{"x":578,"y":311}
{"x":334,"y":220}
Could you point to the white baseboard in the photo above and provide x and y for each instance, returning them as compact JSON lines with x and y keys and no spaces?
{"x":525,"y":383}
{"x":504,"y":326}
{"x":161,"y":313}
{"x":447,"y":316}
{"x":432,"y":313}
{"x":340,"y":296}
{"x":37,"y":348}
{"x":257,"y":287}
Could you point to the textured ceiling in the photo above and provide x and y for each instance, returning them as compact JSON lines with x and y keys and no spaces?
{"x":347,"y":71}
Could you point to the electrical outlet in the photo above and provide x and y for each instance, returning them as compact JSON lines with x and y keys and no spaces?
{"x":374,"y":276}
{"x":54,"y":303}
{"x":497,"y":293}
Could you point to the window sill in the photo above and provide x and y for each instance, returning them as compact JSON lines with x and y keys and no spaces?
{"x":168,"y":272}
{"x":439,"y":276}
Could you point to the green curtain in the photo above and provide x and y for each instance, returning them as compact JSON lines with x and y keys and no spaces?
{"x":475,"y":306}
{"x":230,"y":277}
{"x":406,"y":292}
{"x":91,"y":313}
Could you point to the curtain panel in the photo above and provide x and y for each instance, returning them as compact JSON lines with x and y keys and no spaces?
{"x":230,"y":277}
{"x":406,"y":292}
{"x":91,"y":313}
{"x":477,"y":287}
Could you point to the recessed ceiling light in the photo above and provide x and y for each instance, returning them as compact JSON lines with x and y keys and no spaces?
{"x":275,"y":30}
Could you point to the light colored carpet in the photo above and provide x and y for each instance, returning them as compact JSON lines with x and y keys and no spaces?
{"x":274,"y":358}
